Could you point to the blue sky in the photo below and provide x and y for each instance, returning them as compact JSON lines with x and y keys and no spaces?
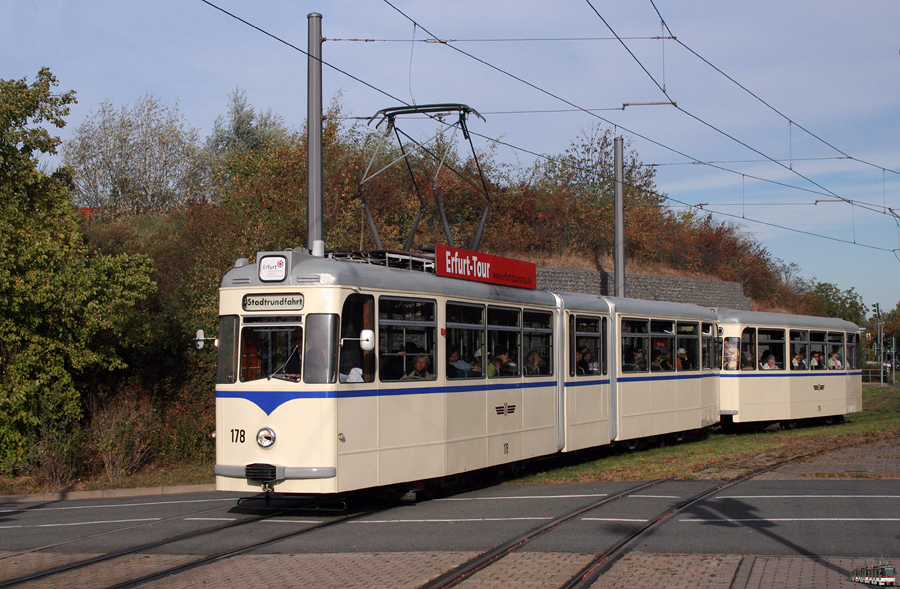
{"x":828,"y":71}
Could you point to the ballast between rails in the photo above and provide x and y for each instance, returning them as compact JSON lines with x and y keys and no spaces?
{"x":357,"y":371}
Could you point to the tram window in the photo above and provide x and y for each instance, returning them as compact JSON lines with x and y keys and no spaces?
{"x":817,"y":358}
{"x":356,"y":364}
{"x":852,"y":351}
{"x":748,"y":349}
{"x":406,"y":334}
{"x":465,"y":340}
{"x":320,"y":348}
{"x":662,"y":338}
{"x":504,"y":332}
{"x":799,"y":349}
{"x":587,"y":349}
{"x":687,"y":340}
{"x":272,"y":350}
{"x":538,"y":342}
{"x":731,"y":353}
{"x":708,"y":352}
{"x":835,"y":359}
{"x":771,"y":348}
{"x":635,"y":345}
{"x":227,"y":362}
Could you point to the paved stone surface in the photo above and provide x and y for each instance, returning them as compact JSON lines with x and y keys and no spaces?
{"x":778,"y":572}
{"x":529,"y":570}
{"x":671,"y":571}
{"x":104,"y":574}
{"x":406,"y":570}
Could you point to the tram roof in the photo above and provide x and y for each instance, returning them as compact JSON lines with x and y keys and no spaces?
{"x":734,"y":316}
{"x":307,"y":270}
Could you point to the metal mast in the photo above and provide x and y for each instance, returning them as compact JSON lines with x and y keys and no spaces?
{"x":315,"y":223}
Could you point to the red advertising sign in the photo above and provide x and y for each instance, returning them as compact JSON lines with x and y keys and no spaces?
{"x":457,"y":263}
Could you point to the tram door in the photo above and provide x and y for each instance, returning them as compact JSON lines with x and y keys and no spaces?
{"x":586,"y":381}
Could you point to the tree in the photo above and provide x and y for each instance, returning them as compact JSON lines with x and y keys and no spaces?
{"x":847,"y":304}
{"x":62,"y":309}
{"x":133,"y":161}
{"x":244,"y":129}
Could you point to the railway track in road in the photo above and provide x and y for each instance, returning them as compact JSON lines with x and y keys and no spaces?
{"x":602,"y":561}
{"x":61,"y":573}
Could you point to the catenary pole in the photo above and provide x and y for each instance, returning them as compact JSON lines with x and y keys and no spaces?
{"x":315,"y":222}
{"x":619,"y":220}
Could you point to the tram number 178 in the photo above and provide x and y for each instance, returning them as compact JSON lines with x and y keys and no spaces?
{"x":238,"y":436}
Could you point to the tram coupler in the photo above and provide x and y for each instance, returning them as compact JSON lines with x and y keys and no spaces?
{"x":268,"y":490}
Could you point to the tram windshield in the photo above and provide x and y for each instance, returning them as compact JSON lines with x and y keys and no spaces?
{"x":289,"y":347}
{"x":271,"y":350}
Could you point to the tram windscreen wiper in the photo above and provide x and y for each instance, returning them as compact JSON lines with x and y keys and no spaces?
{"x":280,"y":368}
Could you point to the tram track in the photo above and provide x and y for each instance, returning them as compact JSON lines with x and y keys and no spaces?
{"x":58,"y":573}
{"x":45,"y":547}
{"x":603,"y":561}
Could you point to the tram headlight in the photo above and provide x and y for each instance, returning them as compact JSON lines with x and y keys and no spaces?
{"x":265,"y":437}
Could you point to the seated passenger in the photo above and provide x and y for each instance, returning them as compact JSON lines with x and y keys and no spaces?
{"x":660,"y":362}
{"x":420,"y":370}
{"x":816,"y":362}
{"x":456,"y":368}
{"x":533,"y":362}
{"x":504,"y":366}
{"x":799,"y":362}
{"x":640,"y":363}
{"x":769,"y":363}
{"x":730,"y":356}
{"x":834,"y":363}
{"x":682,"y":362}
{"x":584,"y":365}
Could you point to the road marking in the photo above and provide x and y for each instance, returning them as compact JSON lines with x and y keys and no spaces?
{"x":808,"y":497}
{"x":797,"y":519}
{"x":522,"y":497}
{"x":612,"y":519}
{"x":656,"y":496}
{"x":37,"y":509}
{"x":448,"y":521}
{"x":111,"y":521}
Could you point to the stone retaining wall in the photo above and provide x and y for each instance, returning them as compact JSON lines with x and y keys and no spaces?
{"x":708,"y":293}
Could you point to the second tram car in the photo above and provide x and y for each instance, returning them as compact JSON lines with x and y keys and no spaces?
{"x":357,"y":371}
{"x":785,"y":368}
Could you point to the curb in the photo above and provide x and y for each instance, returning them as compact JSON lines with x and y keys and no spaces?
{"x":106,"y":493}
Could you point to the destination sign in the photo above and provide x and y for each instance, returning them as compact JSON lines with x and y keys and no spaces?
{"x":480,"y":267}
{"x":273,"y":302}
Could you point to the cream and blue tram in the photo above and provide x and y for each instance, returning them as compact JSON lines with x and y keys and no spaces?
{"x":337,"y":374}
{"x":783,"y":368}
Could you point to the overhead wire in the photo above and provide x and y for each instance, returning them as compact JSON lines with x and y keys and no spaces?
{"x":576,"y":107}
{"x":754,"y":95}
{"x":716,"y":129}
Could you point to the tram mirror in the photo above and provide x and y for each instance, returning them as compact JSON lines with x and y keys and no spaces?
{"x":200,"y":339}
{"x":367,"y":340}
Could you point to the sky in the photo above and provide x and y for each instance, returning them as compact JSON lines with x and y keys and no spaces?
{"x":786,"y":115}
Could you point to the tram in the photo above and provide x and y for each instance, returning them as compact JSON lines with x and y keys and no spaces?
{"x":884,"y":576}
{"x":786,"y":368}
{"x":346,"y":372}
